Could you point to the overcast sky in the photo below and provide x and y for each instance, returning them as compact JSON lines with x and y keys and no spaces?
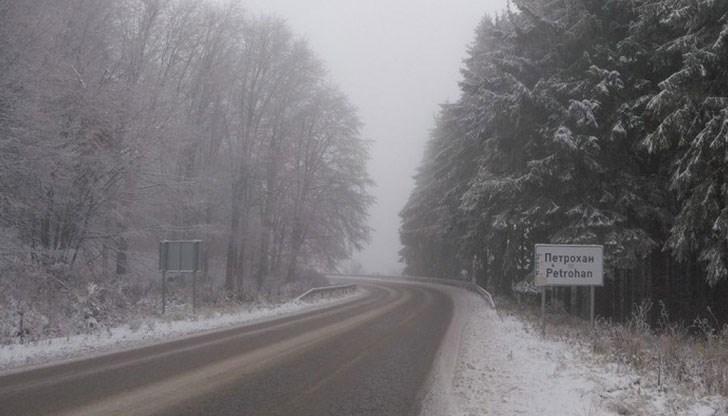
{"x":396,"y":60}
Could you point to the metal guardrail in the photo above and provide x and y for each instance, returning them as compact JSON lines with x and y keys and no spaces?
{"x":459,"y":283}
{"x":330,"y":290}
{"x":485,"y":294}
{"x":450,"y":282}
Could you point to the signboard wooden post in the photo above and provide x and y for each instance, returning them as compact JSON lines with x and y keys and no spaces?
{"x":568,"y":265}
{"x":179,"y":256}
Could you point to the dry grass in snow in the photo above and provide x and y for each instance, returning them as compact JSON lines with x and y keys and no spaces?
{"x":506,"y":368}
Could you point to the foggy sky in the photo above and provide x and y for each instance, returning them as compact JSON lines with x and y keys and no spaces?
{"x":396,"y":60}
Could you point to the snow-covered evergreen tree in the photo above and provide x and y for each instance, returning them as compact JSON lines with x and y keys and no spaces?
{"x":429,"y":231}
{"x":593,"y":122}
{"x":689,"y":126}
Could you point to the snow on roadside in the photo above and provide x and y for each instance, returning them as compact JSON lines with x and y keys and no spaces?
{"x":506,"y":368}
{"x":150,"y":331}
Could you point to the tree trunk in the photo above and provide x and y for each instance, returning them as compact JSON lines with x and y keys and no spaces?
{"x":264,"y":259}
{"x":122,"y":265}
{"x":232,"y":264}
{"x":297,"y":239}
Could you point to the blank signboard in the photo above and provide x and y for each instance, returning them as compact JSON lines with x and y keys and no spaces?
{"x":181,"y":256}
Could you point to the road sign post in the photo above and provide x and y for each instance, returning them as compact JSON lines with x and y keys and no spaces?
{"x":164,"y":291}
{"x":568,"y":265}
{"x":591,"y":307}
{"x":179,"y":256}
{"x":543,"y":311}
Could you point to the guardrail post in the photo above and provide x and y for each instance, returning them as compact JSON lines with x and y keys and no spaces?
{"x":164,"y":291}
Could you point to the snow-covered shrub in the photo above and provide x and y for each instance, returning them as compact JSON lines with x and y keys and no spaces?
{"x":525,"y":290}
{"x":27,"y":304}
{"x":695,"y":356}
{"x":58,"y":300}
{"x":135,"y":324}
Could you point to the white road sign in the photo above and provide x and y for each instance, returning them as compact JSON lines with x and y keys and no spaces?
{"x":568,"y":265}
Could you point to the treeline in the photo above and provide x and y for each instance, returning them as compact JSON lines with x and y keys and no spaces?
{"x":585,"y":122}
{"x":123,"y":122}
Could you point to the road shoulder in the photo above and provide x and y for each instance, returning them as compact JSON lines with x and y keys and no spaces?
{"x":504,"y":368}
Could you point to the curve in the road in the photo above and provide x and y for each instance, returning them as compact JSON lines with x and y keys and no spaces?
{"x":369,"y":356}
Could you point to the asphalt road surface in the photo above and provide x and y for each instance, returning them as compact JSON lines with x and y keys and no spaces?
{"x":370,"y":356}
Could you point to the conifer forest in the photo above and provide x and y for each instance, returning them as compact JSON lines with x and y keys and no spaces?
{"x":585,"y":122}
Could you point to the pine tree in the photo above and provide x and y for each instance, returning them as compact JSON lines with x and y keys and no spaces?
{"x":689,"y":128}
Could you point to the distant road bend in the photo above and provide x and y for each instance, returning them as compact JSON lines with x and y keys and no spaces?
{"x":370,"y":356}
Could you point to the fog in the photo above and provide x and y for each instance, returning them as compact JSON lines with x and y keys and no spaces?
{"x":396,"y":61}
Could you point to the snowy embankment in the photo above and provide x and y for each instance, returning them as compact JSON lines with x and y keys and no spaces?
{"x":149,"y":331}
{"x":505,"y":367}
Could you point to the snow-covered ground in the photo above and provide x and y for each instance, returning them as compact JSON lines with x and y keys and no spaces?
{"x":505,"y":367}
{"x":147,"y":332}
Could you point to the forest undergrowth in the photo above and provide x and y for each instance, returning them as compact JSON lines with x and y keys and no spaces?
{"x":43,"y":303}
